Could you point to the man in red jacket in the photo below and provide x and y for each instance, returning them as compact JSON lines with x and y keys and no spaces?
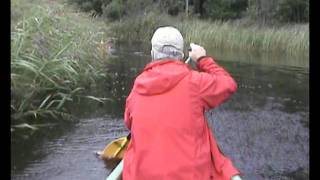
{"x":170,"y":136}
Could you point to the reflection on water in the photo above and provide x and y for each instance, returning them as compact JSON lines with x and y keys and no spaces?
{"x":263,"y":128}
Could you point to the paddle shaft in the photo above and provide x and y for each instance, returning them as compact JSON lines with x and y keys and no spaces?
{"x":117,"y":172}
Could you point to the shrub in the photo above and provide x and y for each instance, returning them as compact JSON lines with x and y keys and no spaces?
{"x":283,"y":11}
{"x":292,"y":11}
{"x":224,"y":9}
{"x":114,"y":10}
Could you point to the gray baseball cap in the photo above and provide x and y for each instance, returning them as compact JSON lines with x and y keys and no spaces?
{"x":167,"y":36}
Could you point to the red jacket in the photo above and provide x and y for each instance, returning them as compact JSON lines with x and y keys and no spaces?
{"x":170,"y":136}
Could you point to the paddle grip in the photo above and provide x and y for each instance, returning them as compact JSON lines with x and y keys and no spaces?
{"x":129,"y":136}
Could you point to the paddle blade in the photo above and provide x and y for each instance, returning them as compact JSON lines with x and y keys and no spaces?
{"x":115,"y":149}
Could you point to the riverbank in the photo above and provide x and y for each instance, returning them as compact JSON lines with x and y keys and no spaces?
{"x":57,"y":56}
{"x":290,"y":39}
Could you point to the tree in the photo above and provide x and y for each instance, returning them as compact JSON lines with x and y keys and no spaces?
{"x":187,"y":7}
{"x":225,"y":9}
{"x":279,"y":10}
{"x":198,"y":7}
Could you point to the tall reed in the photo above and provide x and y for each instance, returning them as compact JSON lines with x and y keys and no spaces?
{"x":287,"y":39}
{"x":284,"y":39}
{"x":56,"y":56}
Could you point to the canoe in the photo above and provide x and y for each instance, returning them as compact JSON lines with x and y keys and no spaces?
{"x":116,"y":174}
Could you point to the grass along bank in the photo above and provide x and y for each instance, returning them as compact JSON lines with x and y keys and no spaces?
{"x":291,"y":39}
{"x":57,"y":55}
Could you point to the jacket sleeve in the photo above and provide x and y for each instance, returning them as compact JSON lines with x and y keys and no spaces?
{"x":127,"y":114}
{"x":215,"y":84}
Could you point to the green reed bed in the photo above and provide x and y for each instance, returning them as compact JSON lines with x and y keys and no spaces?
{"x":290,"y":39}
{"x":285,"y":39}
{"x":56,"y":56}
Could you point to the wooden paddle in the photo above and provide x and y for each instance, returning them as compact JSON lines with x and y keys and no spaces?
{"x":113,"y":151}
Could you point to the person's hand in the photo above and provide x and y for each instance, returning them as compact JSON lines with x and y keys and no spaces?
{"x":196,"y":52}
{"x":237,"y":177}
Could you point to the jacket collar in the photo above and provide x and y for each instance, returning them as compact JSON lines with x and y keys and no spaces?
{"x":161,"y":62}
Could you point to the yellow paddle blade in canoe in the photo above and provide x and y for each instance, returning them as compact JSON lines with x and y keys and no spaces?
{"x":115,"y":149}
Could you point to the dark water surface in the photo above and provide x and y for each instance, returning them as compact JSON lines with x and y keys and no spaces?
{"x":263,"y":128}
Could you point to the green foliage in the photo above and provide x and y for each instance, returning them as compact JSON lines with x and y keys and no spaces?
{"x":139,"y":28}
{"x":121,"y":9}
{"x":172,"y":7}
{"x":283,"y":11}
{"x":91,"y":5}
{"x":291,"y":40}
{"x":55,"y":58}
{"x":292,"y":11}
{"x":265,"y":11}
{"x":114,"y":10}
{"x":225,"y":9}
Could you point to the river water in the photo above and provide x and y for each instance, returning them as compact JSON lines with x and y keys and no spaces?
{"x":263,"y":128}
